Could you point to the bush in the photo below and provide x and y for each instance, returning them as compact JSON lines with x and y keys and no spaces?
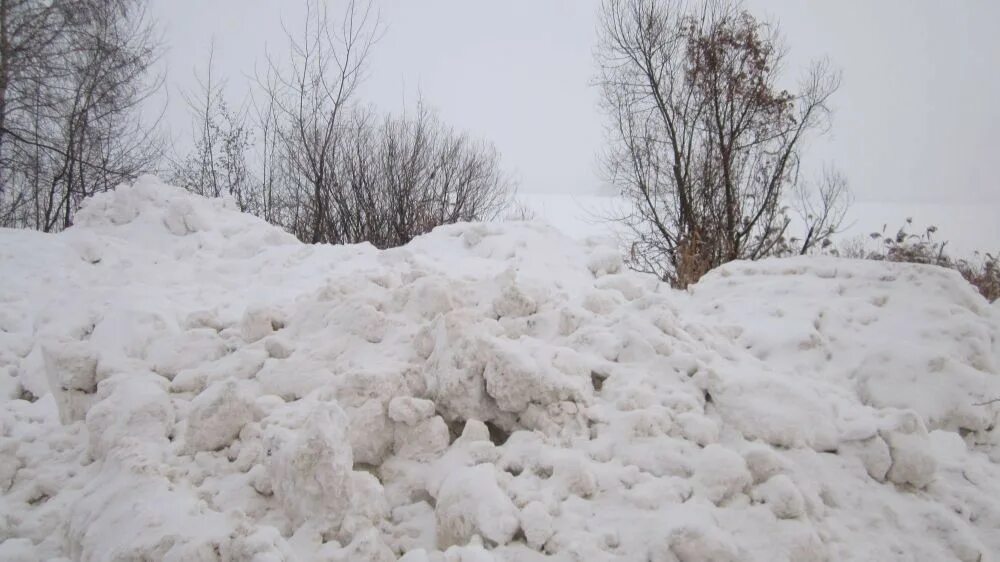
{"x":705,"y":142}
{"x":982,"y":270}
{"x":306,"y":156}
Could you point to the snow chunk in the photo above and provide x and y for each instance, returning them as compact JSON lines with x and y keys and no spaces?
{"x":536,"y":522}
{"x":874,"y":454}
{"x":310,"y":462}
{"x":409,"y":410}
{"x":9,"y":463}
{"x":130,"y":408}
{"x":181,"y":218}
{"x":913,"y":460}
{"x":474,"y":430}
{"x":368,"y":497}
{"x":514,"y":377}
{"x":721,"y":473}
{"x":781,"y":495}
{"x":763,"y":463}
{"x":747,"y":401}
{"x":605,"y":260}
{"x":278,"y":347}
{"x":263,"y":544}
{"x":371,"y":432}
{"x":259,"y":322}
{"x":456,"y":352}
{"x":71,"y":371}
{"x":423,"y":440}
{"x":217,"y":415}
{"x":71,"y":365}
{"x":513,"y":301}
{"x":698,"y":428}
{"x":471,"y":502}
{"x":698,"y":542}
{"x":171,"y":354}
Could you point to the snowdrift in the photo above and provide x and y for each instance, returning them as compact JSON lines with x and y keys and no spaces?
{"x":183,"y":382}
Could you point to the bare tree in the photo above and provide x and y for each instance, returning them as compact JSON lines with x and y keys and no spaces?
{"x":311,"y":96}
{"x":272,"y":202}
{"x":703,"y":140}
{"x":217,"y":164}
{"x":72,"y":77}
{"x":821,"y":208}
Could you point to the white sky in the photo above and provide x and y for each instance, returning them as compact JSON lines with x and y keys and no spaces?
{"x":917,"y":116}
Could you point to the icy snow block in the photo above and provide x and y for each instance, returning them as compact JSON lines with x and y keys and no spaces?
{"x":278,"y":348}
{"x":720,"y":474}
{"x":88,"y":246}
{"x":366,"y":545}
{"x":310,"y":465}
{"x":71,"y":371}
{"x":173,"y":353}
{"x":515,"y":377}
{"x":19,"y":550}
{"x":536,"y":521}
{"x":748,"y":404}
{"x":873,"y":453}
{"x":409,"y":410}
{"x":763,"y":463}
{"x":257,"y":544}
{"x":217,"y":415}
{"x":697,"y":542}
{"x":456,"y":350}
{"x":698,"y":428}
{"x":430,"y":297}
{"x":474,"y":430}
{"x":913,"y":460}
{"x":182,"y":218}
{"x":422,"y":441}
{"x":782,"y":496}
{"x":604,"y":260}
{"x":471,"y":502}
{"x":371,"y":432}
{"x":128,"y":509}
{"x":70,"y":365}
{"x":368,"y":497}
{"x":259,"y":322}
{"x":130,"y":408}
{"x":9,"y":463}
{"x":514,"y":303}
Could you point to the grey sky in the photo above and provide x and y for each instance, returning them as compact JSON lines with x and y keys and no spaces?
{"x":916,"y":117}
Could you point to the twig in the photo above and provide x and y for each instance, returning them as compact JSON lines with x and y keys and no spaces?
{"x":988,"y":402}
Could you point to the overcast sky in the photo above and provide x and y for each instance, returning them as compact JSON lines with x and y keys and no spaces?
{"x":916,"y":119}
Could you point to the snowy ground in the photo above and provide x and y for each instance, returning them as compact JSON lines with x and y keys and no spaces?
{"x":967,"y":228}
{"x":182,"y":382}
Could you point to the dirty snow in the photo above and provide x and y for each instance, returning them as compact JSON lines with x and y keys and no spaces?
{"x":183,"y":382}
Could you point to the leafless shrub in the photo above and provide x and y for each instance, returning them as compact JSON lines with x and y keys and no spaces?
{"x":328,"y":170}
{"x":519,"y":212}
{"x":218,"y":163}
{"x":703,"y":141}
{"x":982,"y":270}
{"x":984,"y":274}
{"x":821,"y":210}
{"x":400,"y":177}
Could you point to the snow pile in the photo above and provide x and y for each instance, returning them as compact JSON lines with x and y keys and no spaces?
{"x":183,"y":382}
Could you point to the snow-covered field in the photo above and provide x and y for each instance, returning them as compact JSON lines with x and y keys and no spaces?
{"x":183,"y":382}
{"x":967,"y":228}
